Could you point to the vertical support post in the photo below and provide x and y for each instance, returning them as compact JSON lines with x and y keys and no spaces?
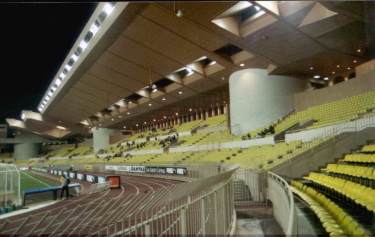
{"x":203,"y":218}
{"x":215,"y":213}
{"x":147,"y":230}
{"x":183,"y":222}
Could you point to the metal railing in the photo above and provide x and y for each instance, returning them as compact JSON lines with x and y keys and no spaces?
{"x":281,"y":196}
{"x":202,"y":207}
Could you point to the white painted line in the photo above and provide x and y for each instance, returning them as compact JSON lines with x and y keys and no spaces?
{"x":40,"y":181}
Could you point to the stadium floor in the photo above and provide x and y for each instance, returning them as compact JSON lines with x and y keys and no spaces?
{"x":30,"y":180}
{"x":80,"y":215}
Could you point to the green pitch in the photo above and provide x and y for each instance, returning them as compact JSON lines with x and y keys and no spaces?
{"x":30,"y":180}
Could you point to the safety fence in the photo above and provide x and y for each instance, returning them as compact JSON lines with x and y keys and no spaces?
{"x":255,"y":187}
{"x":202,"y":207}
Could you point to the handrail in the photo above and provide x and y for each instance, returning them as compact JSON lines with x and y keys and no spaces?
{"x":290,"y":231}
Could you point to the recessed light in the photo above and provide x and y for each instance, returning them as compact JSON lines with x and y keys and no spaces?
{"x":338,"y":66}
{"x":94,"y":28}
{"x":164,"y":117}
{"x":176,"y":114}
{"x":359,"y":50}
{"x":163,"y":99}
{"x":326,"y":78}
{"x":150,"y":104}
{"x":127,"y":113}
{"x":58,"y":82}
{"x":317,"y":76}
{"x":190,"y":109}
{"x":355,"y":61}
{"x":333,"y":73}
{"x":108,"y":8}
{"x":112,"y":119}
{"x":145,"y":122}
{"x":242,"y":64}
{"x":154,"y":120}
{"x":83,"y":45}
{"x":311,"y":68}
{"x":74,"y":57}
{"x":180,"y":92}
{"x":137,"y":125}
{"x":124,"y":127}
{"x":348,"y":68}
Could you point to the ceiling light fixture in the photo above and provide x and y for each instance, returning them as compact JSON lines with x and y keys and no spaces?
{"x":53,"y":88}
{"x":163,"y":99}
{"x":83,"y":45}
{"x":180,"y":92}
{"x":355,"y":61}
{"x":317,"y":76}
{"x":94,"y":28}
{"x":333,"y":73}
{"x":62,"y":76}
{"x":326,"y":78}
{"x":50,"y":93}
{"x":68,"y":67}
{"x":338,"y":66}
{"x":311,"y":68}
{"x":58,"y":82}
{"x":74,"y":57}
{"x":348,"y":68}
{"x":108,"y":9}
{"x":358,"y":50}
{"x":150,"y":104}
{"x":128,"y":113}
{"x":242,"y":65}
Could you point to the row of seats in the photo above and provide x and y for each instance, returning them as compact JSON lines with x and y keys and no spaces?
{"x":360,"y":158}
{"x":255,"y":157}
{"x":352,"y":190}
{"x":352,"y":170}
{"x":334,"y":112}
{"x":368,"y":148}
{"x":334,"y":219}
{"x":70,"y":151}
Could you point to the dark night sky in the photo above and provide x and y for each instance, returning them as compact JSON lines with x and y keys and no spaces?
{"x":34,"y":40}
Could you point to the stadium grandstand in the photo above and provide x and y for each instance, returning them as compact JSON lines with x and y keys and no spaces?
{"x":198,"y":118}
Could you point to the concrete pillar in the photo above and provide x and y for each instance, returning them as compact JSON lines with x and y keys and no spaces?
{"x":24,"y":151}
{"x":225,"y":110}
{"x":101,"y":137}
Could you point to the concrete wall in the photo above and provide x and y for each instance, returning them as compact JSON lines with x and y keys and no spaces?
{"x":257,"y":99}
{"x":327,"y":152}
{"x":101,"y":137}
{"x":362,"y":83}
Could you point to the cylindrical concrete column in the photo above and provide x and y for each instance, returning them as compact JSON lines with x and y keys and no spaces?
{"x":258,"y":99}
{"x":24,"y":151}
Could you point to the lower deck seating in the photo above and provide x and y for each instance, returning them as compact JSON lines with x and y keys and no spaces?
{"x":334,"y":219}
{"x":350,"y":183}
